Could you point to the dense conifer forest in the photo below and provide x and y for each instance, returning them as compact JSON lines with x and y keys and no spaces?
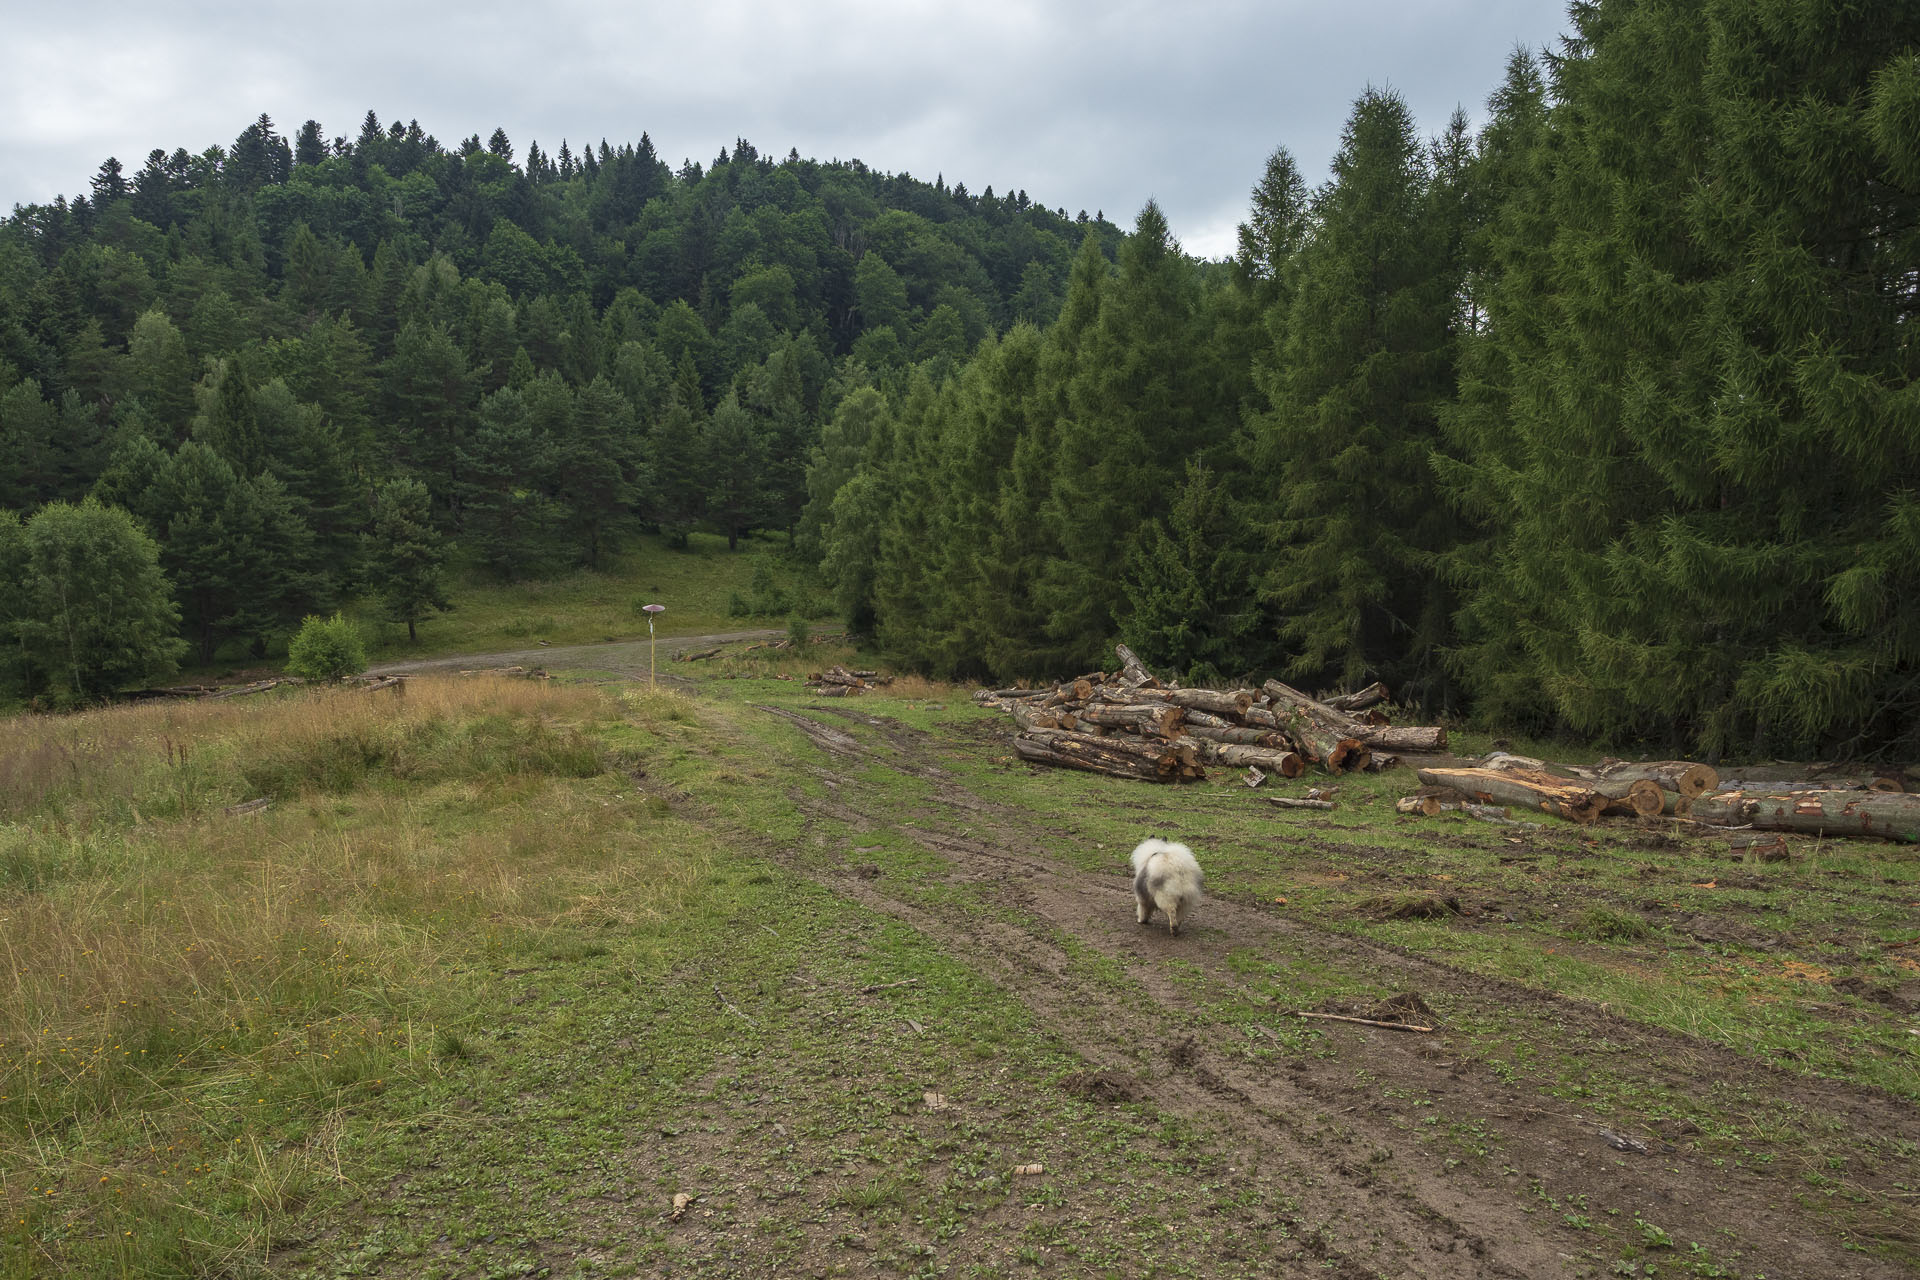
{"x":1601,"y":418}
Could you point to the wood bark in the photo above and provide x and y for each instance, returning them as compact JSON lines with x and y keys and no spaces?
{"x":1684,"y":776}
{"x":1232,"y":705}
{"x":1326,"y":747}
{"x":1160,"y":721}
{"x":1133,"y":672}
{"x":1371,"y":696}
{"x":1081,"y":755}
{"x":1289,"y":701}
{"x":1032,"y":718}
{"x":1244,"y":737}
{"x":1886,"y":815}
{"x":1426,"y":739}
{"x":1522,"y":789}
{"x":1291,"y":802}
{"x":1287,"y":764}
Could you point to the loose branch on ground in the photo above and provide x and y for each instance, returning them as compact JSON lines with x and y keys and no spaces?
{"x":1365,"y":1022}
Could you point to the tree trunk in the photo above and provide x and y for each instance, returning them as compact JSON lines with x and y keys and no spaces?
{"x":1522,"y":789}
{"x":1133,"y":672}
{"x":1076,"y":755}
{"x":1418,"y":738}
{"x":1689,"y":779}
{"x":1233,"y":733}
{"x":1371,"y":696}
{"x":1287,"y":764}
{"x":1232,"y":705}
{"x":1160,"y":721}
{"x":1324,"y":746}
{"x":1886,"y":815}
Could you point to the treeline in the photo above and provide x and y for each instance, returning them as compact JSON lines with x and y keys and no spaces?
{"x":299,"y":363}
{"x":1602,"y":420}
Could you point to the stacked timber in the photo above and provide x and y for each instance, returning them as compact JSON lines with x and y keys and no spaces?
{"x":838,"y":682}
{"x":1131,"y":724}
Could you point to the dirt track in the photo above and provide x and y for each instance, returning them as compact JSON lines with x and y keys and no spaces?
{"x":1340,"y":1132}
{"x":623,"y":657}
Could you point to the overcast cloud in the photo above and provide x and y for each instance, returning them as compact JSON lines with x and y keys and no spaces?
{"x":1086,"y":106}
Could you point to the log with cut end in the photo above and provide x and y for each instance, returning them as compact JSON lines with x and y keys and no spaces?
{"x":1878,"y":814}
{"x":1426,"y":739}
{"x":1684,"y":776}
{"x":1432,"y":806}
{"x":1077,"y":755}
{"x":1243,"y":737}
{"x":1031,"y":718}
{"x":1290,"y":702}
{"x":1371,"y":696}
{"x":1330,"y":750}
{"x":1287,"y":764}
{"x":1133,"y":672}
{"x":1522,"y":789}
{"x":1162,"y":721}
{"x":1232,"y":705}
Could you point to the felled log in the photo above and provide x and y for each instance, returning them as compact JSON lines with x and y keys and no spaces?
{"x":1418,"y":738}
{"x":1133,"y":672}
{"x":1031,"y":717}
{"x":1242,"y":737}
{"x":1081,"y":755}
{"x":1771,"y":847}
{"x":1159,"y":752}
{"x":1290,"y":702}
{"x":1290,"y":802}
{"x":1641,"y":797}
{"x":1287,"y":764}
{"x":1684,"y":776}
{"x":697,"y":657}
{"x":1161,"y":721}
{"x":1326,"y":747}
{"x":989,"y":695}
{"x":1232,"y":705}
{"x":1429,"y":806}
{"x":1885,"y":815}
{"x":1843,"y":782}
{"x":839,"y":675}
{"x":1522,"y":789}
{"x":1371,"y":696}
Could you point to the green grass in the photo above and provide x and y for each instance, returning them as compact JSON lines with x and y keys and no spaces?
{"x":701,"y":585}
{"x":508,"y":965}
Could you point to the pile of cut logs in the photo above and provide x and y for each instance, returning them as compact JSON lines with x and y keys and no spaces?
{"x":1874,"y":806}
{"x":838,"y":682}
{"x":1132,"y":725}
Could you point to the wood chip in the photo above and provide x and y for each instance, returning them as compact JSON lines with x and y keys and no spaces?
{"x":1029,"y":1170}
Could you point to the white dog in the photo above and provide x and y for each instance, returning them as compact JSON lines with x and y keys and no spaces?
{"x":1165,"y":876}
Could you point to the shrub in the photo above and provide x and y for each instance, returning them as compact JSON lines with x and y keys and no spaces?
{"x":327,"y":649}
{"x":799,"y":633}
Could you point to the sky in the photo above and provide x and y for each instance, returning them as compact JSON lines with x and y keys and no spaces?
{"x":1087,"y":106}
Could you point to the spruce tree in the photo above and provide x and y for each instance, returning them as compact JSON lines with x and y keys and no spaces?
{"x":1365,"y":362}
{"x":406,"y":556}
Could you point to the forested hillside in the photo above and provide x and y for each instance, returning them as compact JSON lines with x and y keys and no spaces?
{"x":308,"y":369}
{"x":1600,"y":418}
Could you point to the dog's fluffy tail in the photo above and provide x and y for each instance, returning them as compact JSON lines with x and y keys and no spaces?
{"x":1166,"y":877}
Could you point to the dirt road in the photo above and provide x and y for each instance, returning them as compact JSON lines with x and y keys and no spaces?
{"x":1342,"y":1133}
{"x":620,"y":657}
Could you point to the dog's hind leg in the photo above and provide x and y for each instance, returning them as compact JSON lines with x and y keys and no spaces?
{"x":1143,"y":901}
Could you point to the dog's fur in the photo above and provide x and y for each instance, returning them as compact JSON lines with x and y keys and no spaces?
{"x":1165,"y":876}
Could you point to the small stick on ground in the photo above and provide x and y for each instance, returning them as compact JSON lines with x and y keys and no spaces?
{"x":888,"y":986}
{"x":731,"y":1007}
{"x":1365,"y":1022}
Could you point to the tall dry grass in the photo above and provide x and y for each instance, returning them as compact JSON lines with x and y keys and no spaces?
{"x":193,"y":1003}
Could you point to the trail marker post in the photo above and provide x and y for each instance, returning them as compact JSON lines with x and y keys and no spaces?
{"x":650,"y":610}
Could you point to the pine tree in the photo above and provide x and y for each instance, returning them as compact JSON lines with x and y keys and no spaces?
{"x":406,"y":556}
{"x":1365,"y":362}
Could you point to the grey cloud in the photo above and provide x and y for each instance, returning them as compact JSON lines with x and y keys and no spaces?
{"x":1095,"y":106}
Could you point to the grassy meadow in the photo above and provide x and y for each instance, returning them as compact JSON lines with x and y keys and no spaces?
{"x":502,"y":966}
